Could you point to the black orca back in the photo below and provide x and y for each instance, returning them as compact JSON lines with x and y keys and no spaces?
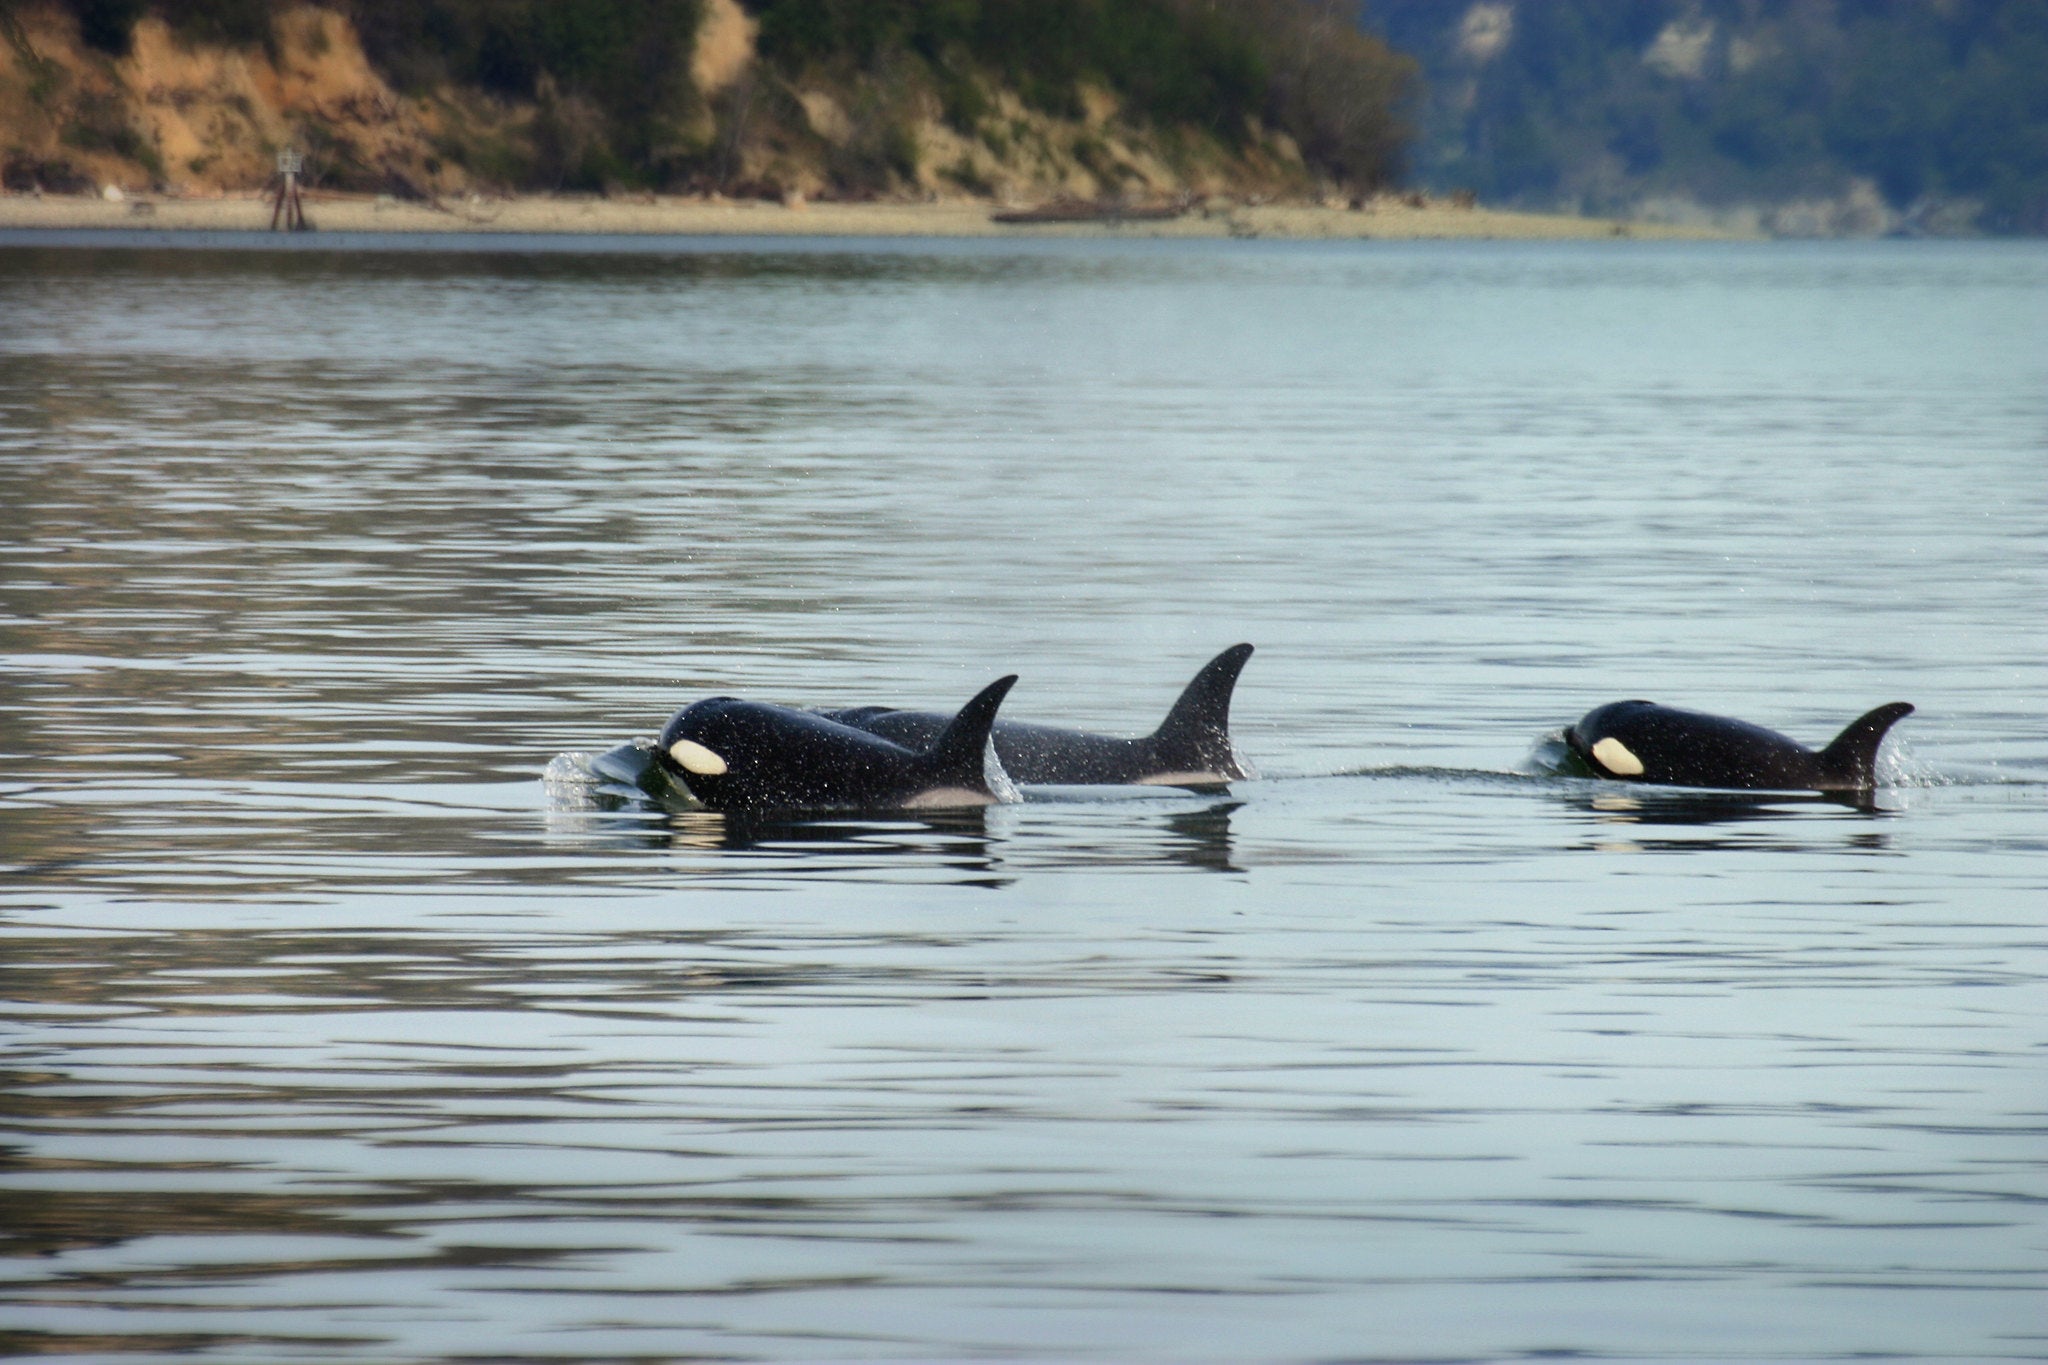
{"x":758,"y":757}
{"x":1663,"y":744}
{"x":1192,"y":744}
{"x":1028,"y":753}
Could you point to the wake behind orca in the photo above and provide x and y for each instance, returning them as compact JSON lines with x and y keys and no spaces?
{"x":1191,"y":747}
{"x":735,"y":755}
{"x":1640,"y":741}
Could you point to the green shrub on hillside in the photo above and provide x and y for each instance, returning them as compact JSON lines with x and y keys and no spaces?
{"x":611,"y":76}
{"x":1300,"y":66}
{"x":1170,"y":63}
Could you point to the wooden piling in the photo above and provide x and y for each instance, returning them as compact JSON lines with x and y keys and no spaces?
{"x":289,"y":206}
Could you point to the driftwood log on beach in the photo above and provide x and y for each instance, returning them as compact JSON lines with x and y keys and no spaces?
{"x":1090,"y":211}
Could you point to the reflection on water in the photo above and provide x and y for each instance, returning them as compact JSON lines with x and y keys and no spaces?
{"x":1693,"y":820}
{"x":1684,"y":807}
{"x":362,"y":1004}
{"x":621,"y":795}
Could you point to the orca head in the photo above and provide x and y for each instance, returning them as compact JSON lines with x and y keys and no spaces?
{"x":754,"y":757}
{"x":1599,"y":738}
{"x":692,"y":747}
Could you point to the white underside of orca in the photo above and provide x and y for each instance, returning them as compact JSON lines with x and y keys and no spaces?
{"x":950,"y":798}
{"x":1181,"y":780}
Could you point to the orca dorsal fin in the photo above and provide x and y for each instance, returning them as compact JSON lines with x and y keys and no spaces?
{"x":961,"y":754}
{"x":1851,"y":761}
{"x":1195,"y":736}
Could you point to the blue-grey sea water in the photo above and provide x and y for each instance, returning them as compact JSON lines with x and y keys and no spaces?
{"x":349,"y":1017}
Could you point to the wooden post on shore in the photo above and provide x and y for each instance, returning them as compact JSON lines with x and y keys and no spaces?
{"x":288,"y":206}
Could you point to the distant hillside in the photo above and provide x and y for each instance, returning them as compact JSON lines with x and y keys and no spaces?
{"x":1804,"y":116}
{"x":774,"y":98}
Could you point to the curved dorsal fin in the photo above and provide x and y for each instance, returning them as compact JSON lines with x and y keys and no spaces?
{"x":1851,"y":761}
{"x":956,"y":756}
{"x":1195,"y":736}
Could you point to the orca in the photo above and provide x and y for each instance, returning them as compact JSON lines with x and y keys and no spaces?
{"x":1191,"y":747}
{"x":751,"y":757}
{"x":1640,"y":741}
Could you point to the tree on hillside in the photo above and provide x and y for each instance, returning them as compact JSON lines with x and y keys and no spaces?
{"x":595,"y":93}
{"x":1599,"y":104}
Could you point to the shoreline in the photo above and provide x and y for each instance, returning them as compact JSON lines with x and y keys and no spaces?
{"x":1385,"y":218}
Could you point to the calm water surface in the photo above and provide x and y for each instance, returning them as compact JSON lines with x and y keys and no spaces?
{"x":348,"y":1018}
